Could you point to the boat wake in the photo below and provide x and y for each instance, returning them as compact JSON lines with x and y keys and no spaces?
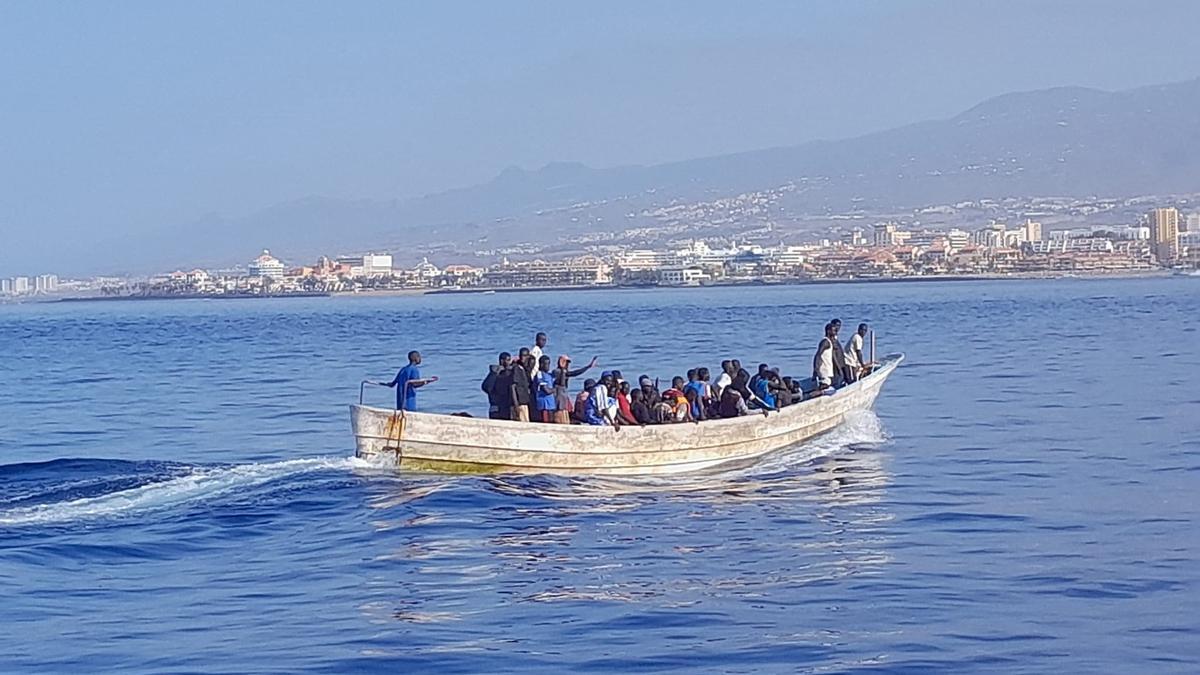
{"x":165,"y":487}
{"x":861,"y":429}
{"x":63,"y":492}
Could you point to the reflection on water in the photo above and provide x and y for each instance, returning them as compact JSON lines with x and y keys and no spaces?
{"x":649,"y":544}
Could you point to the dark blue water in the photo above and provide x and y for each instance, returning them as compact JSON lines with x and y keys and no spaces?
{"x":177,"y":491}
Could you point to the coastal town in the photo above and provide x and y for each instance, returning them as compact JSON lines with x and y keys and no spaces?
{"x":1163,"y":239}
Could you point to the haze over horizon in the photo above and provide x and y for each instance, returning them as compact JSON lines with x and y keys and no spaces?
{"x":131,"y":120}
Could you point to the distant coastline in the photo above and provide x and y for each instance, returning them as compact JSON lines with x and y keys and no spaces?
{"x":627,"y":287}
{"x":192,"y":296}
{"x":807,"y":282}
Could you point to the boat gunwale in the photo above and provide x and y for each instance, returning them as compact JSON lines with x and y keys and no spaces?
{"x":639,"y":452}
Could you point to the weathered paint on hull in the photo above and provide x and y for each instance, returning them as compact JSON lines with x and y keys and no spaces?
{"x":444,"y":443}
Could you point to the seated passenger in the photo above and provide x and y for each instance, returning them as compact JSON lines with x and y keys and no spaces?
{"x":702,"y":398}
{"x":681,"y":410}
{"x":596,"y":410}
{"x":663,"y":412}
{"x":731,"y":404}
{"x":624,"y":406}
{"x":580,"y":412}
{"x":762,"y":391}
{"x":781,"y":391}
{"x":724,"y":379}
{"x":695,"y":408}
{"x":637,"y":405}
{"x":649,"y":391}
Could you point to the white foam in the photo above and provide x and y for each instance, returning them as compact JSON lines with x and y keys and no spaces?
{"x":201,"y":483}
{"x":861,"y":427}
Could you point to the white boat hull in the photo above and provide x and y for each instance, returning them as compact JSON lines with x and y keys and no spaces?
{"x":432,"y":442}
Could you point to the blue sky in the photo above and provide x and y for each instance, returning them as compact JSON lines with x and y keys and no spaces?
{"x":132,"y":117}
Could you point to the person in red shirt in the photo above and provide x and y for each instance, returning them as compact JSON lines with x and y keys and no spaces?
{"x":624,"y":411}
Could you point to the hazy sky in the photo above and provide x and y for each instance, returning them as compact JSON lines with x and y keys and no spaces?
{"x":119,"y":118}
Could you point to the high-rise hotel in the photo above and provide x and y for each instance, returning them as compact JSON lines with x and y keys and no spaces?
{"x":1164,"y":234}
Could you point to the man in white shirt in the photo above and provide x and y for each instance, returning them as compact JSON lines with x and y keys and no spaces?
{"x":856,"y":362}
{"x":724,"y":379}
{"x":823,"y":361}
{"x":539,"y":345}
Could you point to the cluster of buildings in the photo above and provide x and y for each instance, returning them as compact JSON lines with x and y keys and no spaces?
{"x":41,"y":284}
{"x":888,"y":250}
{"x":267,"y":275}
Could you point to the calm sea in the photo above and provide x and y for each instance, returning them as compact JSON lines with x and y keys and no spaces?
{"x":178,"y":493}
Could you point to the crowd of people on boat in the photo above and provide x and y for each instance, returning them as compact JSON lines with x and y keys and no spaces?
{"x":533,"y":387}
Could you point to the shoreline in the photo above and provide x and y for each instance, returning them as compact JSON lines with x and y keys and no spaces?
{"x":815,"y":282}
{"x":407,"y":292}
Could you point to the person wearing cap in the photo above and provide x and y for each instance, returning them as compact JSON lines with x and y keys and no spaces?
{"x":562,"y":384}
{"x":649,"y":392}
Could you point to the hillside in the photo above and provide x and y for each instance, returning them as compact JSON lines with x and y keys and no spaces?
{"x":1066,"y":141}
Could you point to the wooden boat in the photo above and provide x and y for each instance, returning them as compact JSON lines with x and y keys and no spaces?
{"x":434,"y":442}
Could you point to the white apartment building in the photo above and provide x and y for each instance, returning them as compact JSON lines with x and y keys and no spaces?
{"x":992,"y":236}
{"x":1075,"y":245}
{"x":266,"y":266}
{"x":376,"y":264}
{"x":46,"y":283}
{"x":644,"y":259}
{"x":681,"y":276}
{"x":958,"y":239}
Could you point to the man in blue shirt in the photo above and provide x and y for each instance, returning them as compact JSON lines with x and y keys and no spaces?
{"x":407,"y":381}
{"x":543,"y":385}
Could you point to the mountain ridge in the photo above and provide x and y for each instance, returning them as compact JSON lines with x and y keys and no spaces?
{"x":1068,"y":141}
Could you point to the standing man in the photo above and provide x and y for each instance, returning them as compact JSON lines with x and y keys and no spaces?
{"x":823,"y":363}
{"x":544,"y":395}
{"x":522,"y":388}
{"x":855,"y":351}
{"x":494,"y":389}
{"x":856,"y":363}
{"x":407,"y":381}
{"x":539,"y":345}
{"x":839,"y":355}
{"x":502,"y":387}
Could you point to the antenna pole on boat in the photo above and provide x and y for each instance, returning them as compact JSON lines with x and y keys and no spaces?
{"x":872,"y":345}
